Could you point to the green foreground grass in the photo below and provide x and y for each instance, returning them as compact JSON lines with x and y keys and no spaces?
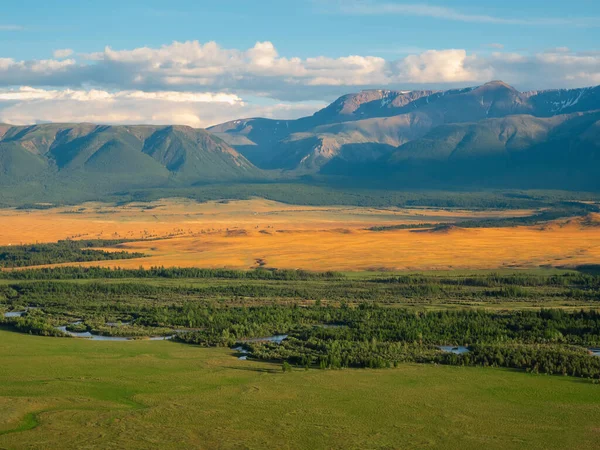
{"x":69,"y":393}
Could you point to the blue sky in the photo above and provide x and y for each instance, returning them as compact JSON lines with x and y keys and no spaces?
{"x":297,"y":28}
{"x":276,"y":58}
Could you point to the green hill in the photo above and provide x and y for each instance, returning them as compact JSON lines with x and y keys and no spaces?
{"x":138,"y":150}
{"x":81,"y":161}
{"x":17,"y":164}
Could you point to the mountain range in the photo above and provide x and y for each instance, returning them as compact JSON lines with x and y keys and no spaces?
{"x":490,"y":135}
{"x":400,"y":130}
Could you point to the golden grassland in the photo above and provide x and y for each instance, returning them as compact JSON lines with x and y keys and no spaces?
{"x":182,"y":217}
{"x":253,"y":233}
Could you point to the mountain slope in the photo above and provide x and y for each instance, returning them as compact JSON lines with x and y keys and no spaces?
{"x":259,"y":139}
{"x":118,"y":157}
{"x":18,"y":164}
{"x":487,"y":137}
{"x":387,"y":118}
{"x":192,"y":153}
{"x":522,"y":151}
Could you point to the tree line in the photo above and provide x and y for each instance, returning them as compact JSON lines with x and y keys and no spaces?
{"x":83,"y":273}
{"x":67,"y":251}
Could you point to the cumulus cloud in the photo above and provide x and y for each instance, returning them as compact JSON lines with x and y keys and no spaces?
{"x":62,"y":53}
{"x":28,"y":105}
{"x":446,"y":66}
{"x":191,"y":80}
{"x":38,"y":72}
{"x":546,"y":70}
{"x":262,"y":71}
{"x":258,"y":69}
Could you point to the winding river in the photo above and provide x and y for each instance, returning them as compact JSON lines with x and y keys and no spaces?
{"x":278,"y":339}
{"x":97,"y":337}
{"x":94,"y":337}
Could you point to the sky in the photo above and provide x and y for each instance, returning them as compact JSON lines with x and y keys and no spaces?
{"x":200,"y":63}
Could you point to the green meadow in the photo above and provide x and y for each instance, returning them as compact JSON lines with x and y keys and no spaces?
{"x":70,"y":393}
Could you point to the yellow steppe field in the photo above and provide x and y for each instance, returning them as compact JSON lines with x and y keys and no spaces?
{"x":253,"y":233}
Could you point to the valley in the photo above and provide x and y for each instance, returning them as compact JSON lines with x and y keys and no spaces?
{"x":321,"y":224}
{"x":259,"y":233}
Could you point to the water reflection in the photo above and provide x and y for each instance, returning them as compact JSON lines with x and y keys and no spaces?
{"x":457,"y":350}
{"x":97,"y":337}
{"x":278,"y":339}
{"x":14,"y":313}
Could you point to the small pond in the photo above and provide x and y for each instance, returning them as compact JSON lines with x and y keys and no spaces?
{"x":457,"y":350}
{"x":14,"y":313}
{"x":278,"y":339}
{"x":243,"y":352}
{"x":594,"y":351}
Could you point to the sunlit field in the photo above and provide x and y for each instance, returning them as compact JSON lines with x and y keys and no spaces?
{"x":260,"y":233}
{"x":182,"y":217}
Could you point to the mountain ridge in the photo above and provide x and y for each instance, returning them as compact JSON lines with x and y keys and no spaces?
{"x":485,"y":135}
{"x":362,"y":118}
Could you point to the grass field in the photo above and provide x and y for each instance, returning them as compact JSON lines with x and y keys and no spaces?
{"x":248,"y":234}
{"x":71,"y":393}
{"x":67,"y":393}
{"x":346,"y":250}
{"x":181,"y":217}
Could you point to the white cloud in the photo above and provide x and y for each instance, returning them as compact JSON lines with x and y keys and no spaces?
{"x":29,"y":93}
{"x":195,"y":64}
{"x":444,"y":66}
{"x":202,"y":84}
{"x":367,"y":7}
{"x":28,"y":105}
{"x":62,"y":53}
{"x":261,"y":71}
{"x":496,"y":46}
{"x":49,"y":71}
